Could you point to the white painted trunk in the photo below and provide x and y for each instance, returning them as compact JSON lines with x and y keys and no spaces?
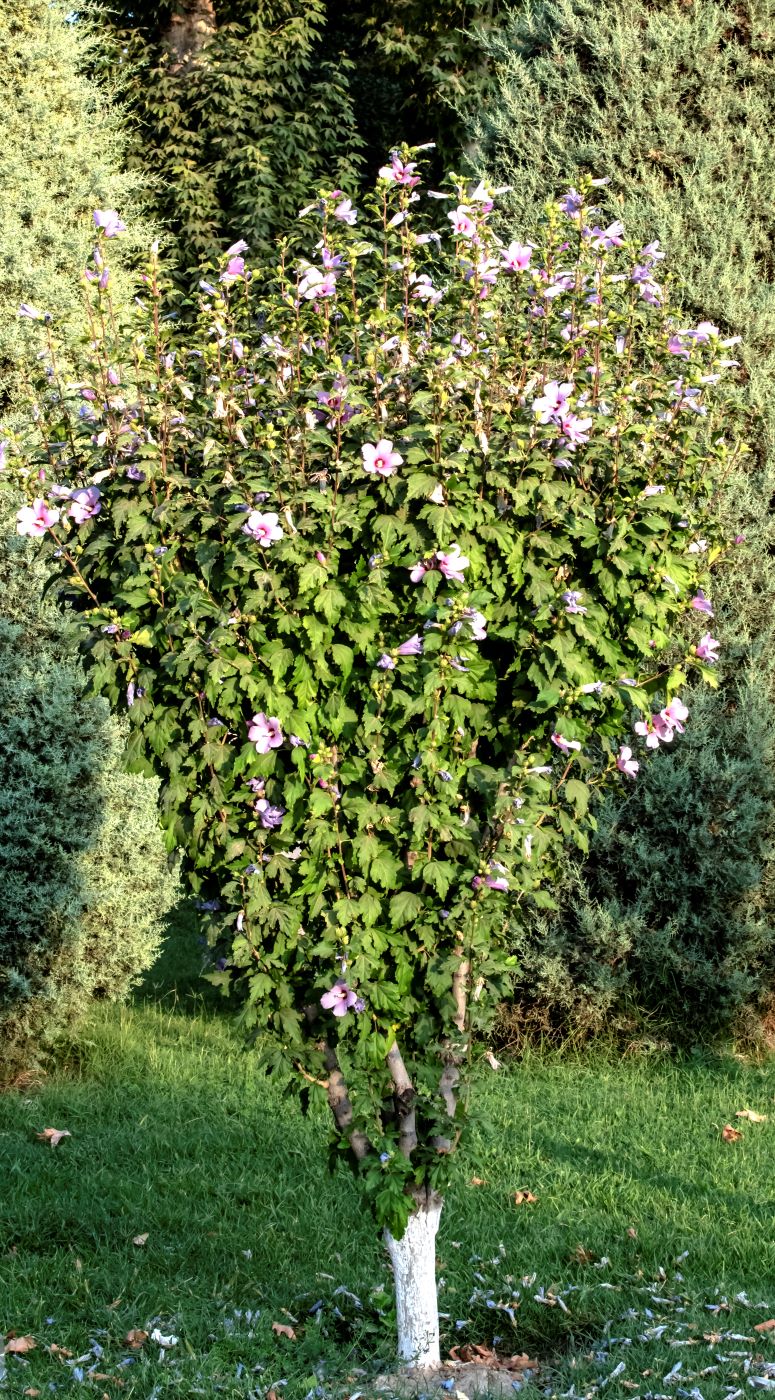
{"x":414,"y":1270}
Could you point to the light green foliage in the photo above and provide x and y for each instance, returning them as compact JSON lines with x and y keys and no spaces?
{"x":674,"y":103}
{"x":84,"y":877}
{"x":439,"y":660}
{"x":61,"y":147}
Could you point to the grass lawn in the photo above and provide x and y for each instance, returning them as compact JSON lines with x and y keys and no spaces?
{"x":175,"y":1135}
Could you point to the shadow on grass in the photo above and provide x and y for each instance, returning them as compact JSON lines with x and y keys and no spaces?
{"x":177,"y":982}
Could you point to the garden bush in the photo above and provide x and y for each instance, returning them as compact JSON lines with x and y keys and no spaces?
{"x":85,"y":878}
{"x":674,"y":103}
{"x":390,"y":560}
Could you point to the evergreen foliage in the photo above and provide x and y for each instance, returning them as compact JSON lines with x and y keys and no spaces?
{"x":242,"y":108}
{"x":675,"y":909}
{"x":85,"y":880}
{"x":61,"y":149}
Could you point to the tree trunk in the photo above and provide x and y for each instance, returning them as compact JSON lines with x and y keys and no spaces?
{"x":414,"y":1270}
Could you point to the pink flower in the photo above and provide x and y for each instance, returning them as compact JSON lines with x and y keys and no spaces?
{"x":263,"y":527}
{"x":109,"y":222}
{"x":315,"y":284}
{"x":575,"y":430}
{"x":702,"y":604}
{"x":401,"y":172}
{"x":516,"y":258}
{"x":707,"y":648}
{"x":552,"y":401}
{"x":236,"y":248}
{"x":676,"y":346}
{"x":36,"y":519}
{"x":418,"y":572}
{"x":411,"y":647}
{"x":379,"y":458}
{"x":676,"y":713}
{"x":265,"y":732}
{"x":463,"y":225}
{"x":452,"y":563}
{"x":85,"y":504}
{"x":233,"y":270}
{"x":645,"y":729}
{"x":626,"y":763}
{"x":340,"y":999}
{"x":477,"y":622}
{"x":565,"y":745}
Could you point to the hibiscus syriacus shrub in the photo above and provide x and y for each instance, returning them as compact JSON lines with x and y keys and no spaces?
{"x":389,"y":557}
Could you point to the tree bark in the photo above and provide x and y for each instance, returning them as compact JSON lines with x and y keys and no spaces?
{"x":191,"y":27}
{"x":413,"y":1258}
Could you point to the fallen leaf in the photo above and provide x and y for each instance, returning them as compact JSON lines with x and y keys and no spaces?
{"x":730,"y":1134}
{"x":53,"y":1135}
{"x":524,"y":1197}
{"x":17,"y":1346}
{"x":283,"y":1330}
{"x":56,"y":1350}
{"x":135,"y":1338}
{"x":140,"y":1240}
{"x":582,"y":1255}
{"x":750,"y":1116}
{"x":632,"y":1233}
{"x":491,"y":1060}
{"x":477,"y":1181}
{"x":30,"y":1391}
{"x":271,"y":1395}
{"x":713,"y":1337}
{"x":485,"y":1356}
{"x":765,"y":1326}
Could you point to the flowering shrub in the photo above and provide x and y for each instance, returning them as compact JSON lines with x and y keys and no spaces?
{"x":389,"y":562}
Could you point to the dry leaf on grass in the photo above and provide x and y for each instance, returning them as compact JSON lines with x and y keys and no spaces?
{"x":485,"y":1356}
{"x":283,"y":1330}
{"x":53,"y":1135}
{"x":140,"y":1240}
{"x":135,"y":1338}
{"x":56,"y":1350}
{"x":31,"y":1391}
{"x":730,"y":1134}
{"x":765,"y":1326}
{"x":581,"y":1255}
{"x":750,"y":1116}
{"x":477,"y":1181}
{"x":17,"y":1346}
{"x":524,"y":1197}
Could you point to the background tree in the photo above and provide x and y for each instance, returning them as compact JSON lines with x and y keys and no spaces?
{"x":674,"y":103}
{"x":82,"y":863}
{"x":241,"y":107}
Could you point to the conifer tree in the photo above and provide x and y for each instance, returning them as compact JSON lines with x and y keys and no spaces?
{"x":672,"y":103}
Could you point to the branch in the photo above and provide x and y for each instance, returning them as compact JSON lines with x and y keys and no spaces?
{"x":339,"y":1103}
{"x":450,"y":1077}
{"x":404,"y":1096}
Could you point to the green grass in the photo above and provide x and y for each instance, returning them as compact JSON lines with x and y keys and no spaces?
{"x":175,"y":1133}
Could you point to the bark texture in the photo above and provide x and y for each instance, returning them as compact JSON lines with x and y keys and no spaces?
{"x":413,"y":1258}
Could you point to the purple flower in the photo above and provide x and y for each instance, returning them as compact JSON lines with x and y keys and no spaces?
{"x":652,"y":490}
{"x":109,"y":222}
{"x":496,"y":880}
{"x":340,"y":999}
{"x":345,"y":213}
{"x":265,"y":732}
{"x":572,"y":599}
{"x":400,"y":172}
{"x":463,"y":226}
{"x":134,"y":473}
{"x":411,"y":647}
{"x":707,"y":648}
{"x":134,"y":692}
{"x":702,"y":604}
{"x":31,"y":313}
{"x":575,"y":430}
{"x":85,"y":504}
{"x":236,"y":248}
{"x":607,"y":238}
{"x":234,"y":269}
{"x":269,"y":816}
{"x":386,"y":663}
{"x":571,"y":203}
